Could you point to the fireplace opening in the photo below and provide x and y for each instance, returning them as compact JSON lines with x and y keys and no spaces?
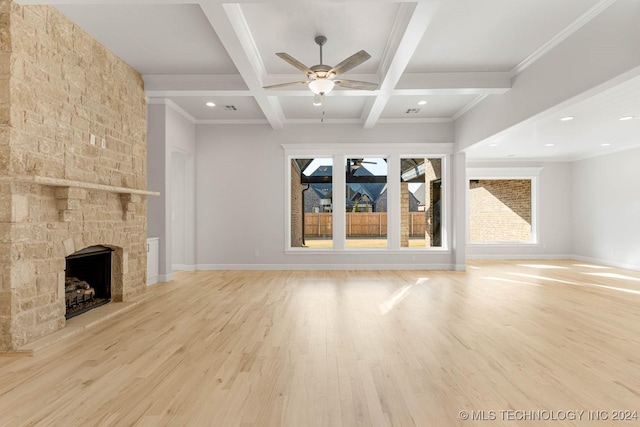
{"x":87,"y":280}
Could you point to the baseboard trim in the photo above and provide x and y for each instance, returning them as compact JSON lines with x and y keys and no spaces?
{"x":606,"y":262}
{"x":518,"y":256}
{"x":183,"y":267}
{"x":165,"y":277}
{"x":279,"y":267}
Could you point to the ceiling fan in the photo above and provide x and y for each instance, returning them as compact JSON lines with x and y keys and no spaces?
{"x":355,"y":164}
{"x":321,"y":78}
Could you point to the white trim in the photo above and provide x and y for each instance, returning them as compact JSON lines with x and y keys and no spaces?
{"x":606,"y":262}
{"x":319,"y":120}
{"x":518,"y":256}
{"x":562,"y":35}
{"x":410,"y":25}
{"x":495,"y":245}
{"x":368,"y":251}
{"x":508,"y":173}
{"x":232,"y":122}
{"x":183,"y":267}
{"x":469,"y":106}
{"x":339,"y":152}
{"x":400,"y":120}
{"x":326,"y":267}
{"x":404,"y":149}
{"x":165,"y":277}
{"x":175,"y":107}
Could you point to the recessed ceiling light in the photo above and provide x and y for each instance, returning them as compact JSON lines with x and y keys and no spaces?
{"x":606,"y":144}
{"x":493,"y":145}
{"x":567,"y":118}
{"x":625,"y":118}
{"x":211,"y":104}
{"x":549,"y":145}
{"x":511,"y":155}
{"x":423,"y":102}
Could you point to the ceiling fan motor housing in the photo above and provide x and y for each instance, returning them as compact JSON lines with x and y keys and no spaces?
{"x":322,"y":71}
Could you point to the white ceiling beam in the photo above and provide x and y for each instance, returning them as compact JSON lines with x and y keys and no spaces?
{"x":231,"y":27}
{"x":414,"y":84}
{"x":411,"y":23}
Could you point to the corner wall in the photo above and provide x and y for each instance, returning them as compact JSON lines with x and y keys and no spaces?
{"x":171,"y":136}
{"x":606,"y":207}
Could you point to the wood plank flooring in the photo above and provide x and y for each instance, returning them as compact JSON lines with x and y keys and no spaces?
{"x":349,"y":348}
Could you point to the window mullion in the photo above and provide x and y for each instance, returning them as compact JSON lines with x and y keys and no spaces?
{"x":339,"y":198}
{"x":393,"y":202}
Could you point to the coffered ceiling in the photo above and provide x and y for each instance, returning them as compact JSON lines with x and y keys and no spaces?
{"x":450,"y":53}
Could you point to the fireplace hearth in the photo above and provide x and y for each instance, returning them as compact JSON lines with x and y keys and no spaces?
{"x":87,"y":280}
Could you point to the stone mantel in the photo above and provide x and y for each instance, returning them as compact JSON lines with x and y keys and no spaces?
{"x":69,"y":193}
{"x":60,"y":182}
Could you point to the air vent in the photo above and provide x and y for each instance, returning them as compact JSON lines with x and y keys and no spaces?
{"x":230,"y":108}
{"x":413,"y":111}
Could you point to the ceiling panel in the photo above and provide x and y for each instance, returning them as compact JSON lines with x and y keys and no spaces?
{"x":291,"y":27}
{"x":246,"y":107}
{"x":437,"y":106}
{"x":491,"y":35}
{"x":301,"y":107}
{"x":595,"y":129}
{"x":155,"y":39}
{"x":183,"y":58}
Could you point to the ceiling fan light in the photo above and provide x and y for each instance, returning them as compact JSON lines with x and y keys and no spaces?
{"x":321,"y":86}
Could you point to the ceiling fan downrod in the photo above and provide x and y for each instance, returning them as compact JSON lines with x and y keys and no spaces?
{"x":320,"y":41}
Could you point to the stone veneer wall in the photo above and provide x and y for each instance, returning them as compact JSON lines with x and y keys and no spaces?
{"x":58,"y":86}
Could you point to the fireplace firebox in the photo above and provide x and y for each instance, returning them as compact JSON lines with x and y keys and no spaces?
{"x":87,"y":280}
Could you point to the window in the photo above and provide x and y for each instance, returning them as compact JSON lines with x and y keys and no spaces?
{"x":421,"y":202}
{"x":502,"y":209}
{"x":311,"y":203}
{"x":366,"y":202}
{"x":340,"y":197}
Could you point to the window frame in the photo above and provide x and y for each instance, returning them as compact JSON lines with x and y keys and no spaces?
{"x":511,"y":173}
{"x":393,"y":152}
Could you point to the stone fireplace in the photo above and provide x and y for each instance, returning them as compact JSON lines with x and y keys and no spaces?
{"x":72,"y":168}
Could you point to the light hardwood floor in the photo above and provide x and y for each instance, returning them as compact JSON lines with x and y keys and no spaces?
{"x":348,"y":348}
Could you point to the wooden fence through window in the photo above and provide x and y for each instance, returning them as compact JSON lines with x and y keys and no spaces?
{"x":360,"y":224}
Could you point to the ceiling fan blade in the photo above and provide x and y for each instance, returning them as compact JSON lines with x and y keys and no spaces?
{"x":299,"y":65}
{"x":352,"y":61}
{"x":355,"y":84}
{"x":301,"y":82}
